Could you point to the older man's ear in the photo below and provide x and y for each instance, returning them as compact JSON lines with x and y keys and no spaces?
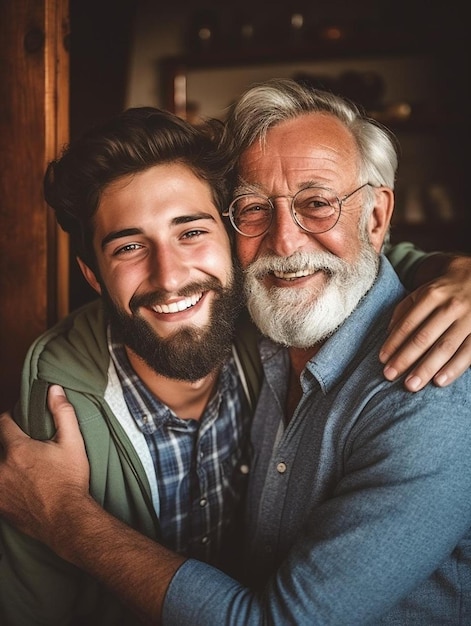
{"x":380,"y":217}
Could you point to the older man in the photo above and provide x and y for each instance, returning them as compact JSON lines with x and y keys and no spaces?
{"x":358,"y":508}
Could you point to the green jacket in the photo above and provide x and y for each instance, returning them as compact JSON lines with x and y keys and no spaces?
{"x":36,"y":586}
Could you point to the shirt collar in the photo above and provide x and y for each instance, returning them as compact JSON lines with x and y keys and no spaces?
{"x":147,"y":410}
{"x":369,"y":319}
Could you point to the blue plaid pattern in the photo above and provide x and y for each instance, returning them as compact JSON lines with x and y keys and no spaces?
{"x":200,"y":465}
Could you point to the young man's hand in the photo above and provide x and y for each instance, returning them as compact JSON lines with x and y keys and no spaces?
{"x":432,"y":328}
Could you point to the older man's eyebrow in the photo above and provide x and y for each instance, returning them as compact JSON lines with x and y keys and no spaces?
{"x":243,"y":188}
{"x":176,"y":221}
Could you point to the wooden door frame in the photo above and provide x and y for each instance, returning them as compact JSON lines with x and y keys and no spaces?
{"x":34,"y":124}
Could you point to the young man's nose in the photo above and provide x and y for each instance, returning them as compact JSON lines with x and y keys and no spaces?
{"x":168,"y":270}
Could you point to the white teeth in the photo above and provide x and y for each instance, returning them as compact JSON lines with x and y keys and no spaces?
{"x":176,"y":307}
{"x":291,"y":275}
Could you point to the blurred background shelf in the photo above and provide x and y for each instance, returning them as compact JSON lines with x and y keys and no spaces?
{"x":405,"y":61}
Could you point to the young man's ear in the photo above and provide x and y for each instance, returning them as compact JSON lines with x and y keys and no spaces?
{"x":380,"y":217}
{"x":89,"y":275}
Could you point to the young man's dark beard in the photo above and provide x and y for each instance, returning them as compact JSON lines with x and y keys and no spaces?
{"x":190,"y":353}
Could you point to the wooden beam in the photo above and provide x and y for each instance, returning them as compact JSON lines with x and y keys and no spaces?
{"x":34,"y":104}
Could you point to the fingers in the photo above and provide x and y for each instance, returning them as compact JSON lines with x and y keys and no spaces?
{"x":68,"y":430}
{"x":414,"y":329}
{"x":427,"y":346}
{"x":400,"y":328}
{"x":38,"y":477}
{"x":431,"y":334}
{"x":442,"y":364}
{"x":67,"y":427}
{"x":456,"y":366}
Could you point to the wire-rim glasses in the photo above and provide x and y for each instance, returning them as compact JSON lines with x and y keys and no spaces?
{"x":314,"y":209}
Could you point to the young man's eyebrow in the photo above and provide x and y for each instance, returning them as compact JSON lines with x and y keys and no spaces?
{"x":185,"y":219}
{"x":119,"y":234}
{"x":176,"y":221}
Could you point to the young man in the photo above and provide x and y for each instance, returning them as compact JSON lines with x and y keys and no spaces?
{"x":153,"y":367}
{"x":351,"y":267}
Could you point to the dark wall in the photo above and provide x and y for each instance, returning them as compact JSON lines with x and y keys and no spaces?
{"x":101,"y":39}
{"x":101,"y":36}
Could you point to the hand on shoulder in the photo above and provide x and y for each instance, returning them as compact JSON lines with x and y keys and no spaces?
{"x":430,"y":331}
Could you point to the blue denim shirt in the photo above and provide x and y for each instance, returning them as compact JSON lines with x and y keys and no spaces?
{"x":359,"y":512}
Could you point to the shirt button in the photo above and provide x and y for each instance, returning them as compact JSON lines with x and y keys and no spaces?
{"x":281,"y":467}
{"x":203,"y":502}
{"x":244,"y":468}
{"x":205,"y":540}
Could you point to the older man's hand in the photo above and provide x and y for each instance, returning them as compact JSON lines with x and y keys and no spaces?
{"x":37,"y":478}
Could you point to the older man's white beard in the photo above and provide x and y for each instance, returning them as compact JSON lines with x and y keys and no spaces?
{"x":302,"y":317}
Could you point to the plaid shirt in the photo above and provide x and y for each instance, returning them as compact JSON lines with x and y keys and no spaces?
{"x":201,"y":466}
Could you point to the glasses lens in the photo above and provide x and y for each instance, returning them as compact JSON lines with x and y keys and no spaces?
{"x":316,"y":209}
{"x":251,"y":215}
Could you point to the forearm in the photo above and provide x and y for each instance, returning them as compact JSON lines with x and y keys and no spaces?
{"x":44,"y":492}
{"x":132,"y":566}
{"x":368,"y":547}
{"x":436,"y":264}
{"x":416,"y":267}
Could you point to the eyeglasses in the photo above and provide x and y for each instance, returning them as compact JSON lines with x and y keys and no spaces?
{"x":314,"y":209}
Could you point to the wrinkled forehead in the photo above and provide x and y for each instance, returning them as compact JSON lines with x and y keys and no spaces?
{"x":316,"y":146}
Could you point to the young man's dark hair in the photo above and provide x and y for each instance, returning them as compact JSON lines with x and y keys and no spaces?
{"x":130,"y":142}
